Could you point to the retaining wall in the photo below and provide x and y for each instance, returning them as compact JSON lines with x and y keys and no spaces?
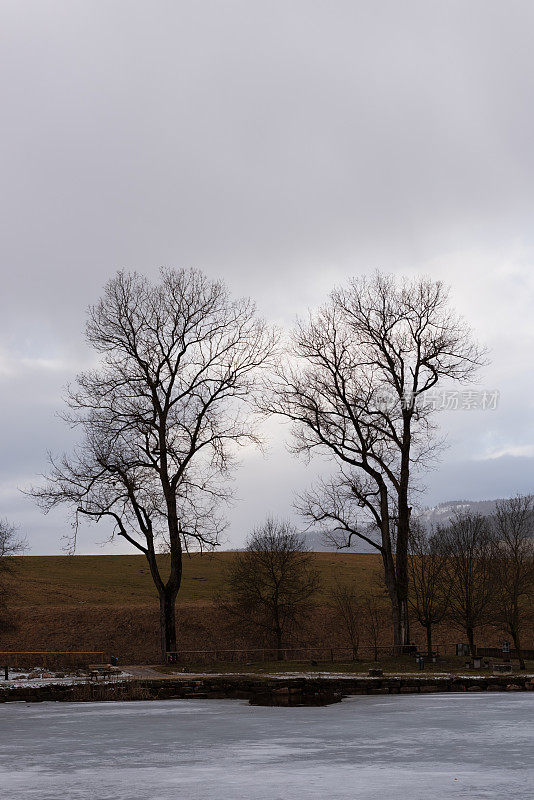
{"x":247,"y":687}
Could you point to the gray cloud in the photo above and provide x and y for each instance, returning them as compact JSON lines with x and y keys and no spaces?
{"x":284,"y":147}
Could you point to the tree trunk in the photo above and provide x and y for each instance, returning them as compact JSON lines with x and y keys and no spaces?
{"x":279,"y":651}
{"x":471,"y":640}
{"x":518,"y":650}
{"x":397,"y":628}
{"x":167,"y":623}
{"x":397,"y":589}
{"x":399,"y":609}
{"x":429,"y":640}
{"x":404,"y":621}
{"x":403,"y":532}
{"x":167,"y":593}
{"x":170,"y":591}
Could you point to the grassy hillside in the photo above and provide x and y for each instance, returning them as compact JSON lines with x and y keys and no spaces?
{"x":125,"y":580}
{"x":109,"y":604}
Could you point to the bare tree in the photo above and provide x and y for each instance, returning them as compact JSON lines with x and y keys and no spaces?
{"x":356,"y":390}
{"x":347,"y":607}
{"x":468,"y":546}
{"x":429,"y":584}
{"x":272,"y":581}
{"x":161,"y":416}
{"x":11,"y":544}
{"x":514,"y":567}
{"x":373,"y":619}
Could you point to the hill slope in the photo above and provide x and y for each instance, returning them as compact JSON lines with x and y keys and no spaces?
{"x":125,"y":580}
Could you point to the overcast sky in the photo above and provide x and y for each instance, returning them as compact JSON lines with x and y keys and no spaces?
{"x":283,"y":146}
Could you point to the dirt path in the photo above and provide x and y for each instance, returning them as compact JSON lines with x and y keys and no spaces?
{"x":144,"y":672}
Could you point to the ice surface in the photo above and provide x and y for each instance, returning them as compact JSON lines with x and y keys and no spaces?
{"x":421,"y":747}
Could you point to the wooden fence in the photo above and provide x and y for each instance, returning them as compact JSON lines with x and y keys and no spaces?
{"x":496,"y":652}
{"x":51,"y":659}
{"x":330,"y":655}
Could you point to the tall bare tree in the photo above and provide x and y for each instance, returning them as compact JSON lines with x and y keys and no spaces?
{"x":514,"y":568}
{"x":356,"y":388}
{"x":161,"y":416}
{"x":429,"y":583}
{"x":468,"y":546}
{"x":272,"y":581}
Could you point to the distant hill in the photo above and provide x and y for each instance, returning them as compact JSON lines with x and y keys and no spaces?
{"x":318,"y":542}
{"x":443,"y":512}
{"x":440,"y":514}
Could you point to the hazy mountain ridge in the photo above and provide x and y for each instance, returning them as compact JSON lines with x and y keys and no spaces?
{"x":433,"y":516}
{"x":442,"y":513}
{"x":318,"y":542}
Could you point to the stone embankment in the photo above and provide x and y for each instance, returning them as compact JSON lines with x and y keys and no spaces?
{"x":264,"y":690}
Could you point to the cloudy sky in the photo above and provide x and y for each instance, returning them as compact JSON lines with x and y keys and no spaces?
{"x":283,"y":146}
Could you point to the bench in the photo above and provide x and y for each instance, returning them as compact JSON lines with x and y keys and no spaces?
{"x":502,"y":669}
{"x":103,"y":671}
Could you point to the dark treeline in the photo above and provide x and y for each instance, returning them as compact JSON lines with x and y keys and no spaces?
{"x":476,"y":571}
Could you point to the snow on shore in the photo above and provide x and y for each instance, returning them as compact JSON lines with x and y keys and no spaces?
{"x":17,"y":679}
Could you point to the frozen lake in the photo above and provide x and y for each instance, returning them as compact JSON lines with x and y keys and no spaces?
{"x":421,"y":747}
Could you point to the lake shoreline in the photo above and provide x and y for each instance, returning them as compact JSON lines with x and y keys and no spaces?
{"x":248,"y":687}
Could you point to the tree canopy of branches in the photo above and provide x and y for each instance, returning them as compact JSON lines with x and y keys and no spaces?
{"x":161,"y":416}
{"x":272,"y":581}
{"x":354,"y":389}
{"x":514,"y":567}
{"x":429,"y":585}
{"x":468,"y":547}
{"x":11,"y":544}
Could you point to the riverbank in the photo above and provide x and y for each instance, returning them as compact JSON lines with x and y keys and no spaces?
{"x":249,"y":686}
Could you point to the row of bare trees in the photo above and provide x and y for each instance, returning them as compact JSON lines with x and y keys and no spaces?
{"x":477,"y":571}
{"x":182,"y":370}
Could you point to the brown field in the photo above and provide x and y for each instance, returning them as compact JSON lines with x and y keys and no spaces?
{"x":108,"y":603}
{"x":125,"y":580}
